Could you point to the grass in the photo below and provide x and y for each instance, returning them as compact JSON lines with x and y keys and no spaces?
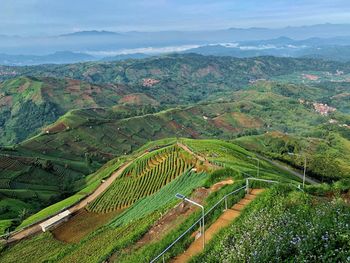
{"x":327,"y":156}
{"x":231,"y":155}
{"x":4,"y":225}
{"x":93,"y":181}
{"x":51,"y":210}
{"x":284,"y":225}
{"x":185,"y":183}
{"x":143,"y":177}
{"x":34,"y":247}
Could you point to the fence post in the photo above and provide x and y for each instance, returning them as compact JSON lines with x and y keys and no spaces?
{"x":225,"y":203}
{"x":247,"y":185}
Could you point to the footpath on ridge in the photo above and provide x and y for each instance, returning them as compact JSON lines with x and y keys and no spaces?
{"x":35,"y":228}
{"x":223,"y":221}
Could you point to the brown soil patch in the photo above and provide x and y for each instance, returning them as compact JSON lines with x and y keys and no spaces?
{"x":175,"y":125}
{"x":194,"y":134}
{"x":81,"y":224}
{"x":24,"y":86}
{"x":246,"y":121}
{"x":174,"y":217}
{"x":310,"y":77}
{"x":73,"y":86}
{"x":59,"y":127}
{"x":150,"y":82}
{"x":219,"y":185}
{"x":346,"y":197}
{"x":138,"y":99}
{"x":6,"y":101}
{"x":221,"y":123}
{"x":208,"y":70}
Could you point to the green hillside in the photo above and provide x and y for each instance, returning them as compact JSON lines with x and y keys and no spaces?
{"x":145,"y":177}
{"x":28,"y":103}
{"x":328,"y":157}
{"x":185,"y":124}
{"x":88,"y":138}
{"x":139,"y":216}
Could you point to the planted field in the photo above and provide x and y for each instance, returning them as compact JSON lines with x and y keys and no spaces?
{"x":80,"y":225}
{"x":144,"y":177}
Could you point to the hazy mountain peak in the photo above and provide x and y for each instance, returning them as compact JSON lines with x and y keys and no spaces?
{"x":92,"y":33}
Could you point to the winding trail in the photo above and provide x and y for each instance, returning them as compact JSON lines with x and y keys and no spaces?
{"x":35,"y":228}
{"x":223,"y":221}
{"x":199,"y":157}
{"x":289,"y":170}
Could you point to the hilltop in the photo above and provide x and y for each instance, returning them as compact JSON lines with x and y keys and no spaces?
{"x":91,"y":137}
{"x":115,"y":141}
{"x":168,"y":81}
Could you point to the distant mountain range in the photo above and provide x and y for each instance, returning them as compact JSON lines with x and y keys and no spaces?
{"x":322,"y":41}
{"x":59,"y":57}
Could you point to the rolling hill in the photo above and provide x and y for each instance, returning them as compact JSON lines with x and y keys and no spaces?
{"x":90,"y":137}
{"x":115,"y":141}
{"x":33,"y":102}
{"x":144,"y":228}
{"x":28,"y":103}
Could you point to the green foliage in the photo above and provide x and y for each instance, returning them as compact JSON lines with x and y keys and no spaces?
{"x":144,"y":177}
{"x":184,"y":183}
{"x":34,"y":247}
{"x":327,"y":157}
{"x":284,"y":227}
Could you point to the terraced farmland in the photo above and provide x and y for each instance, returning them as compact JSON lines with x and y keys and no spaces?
{"x":144,"y":177}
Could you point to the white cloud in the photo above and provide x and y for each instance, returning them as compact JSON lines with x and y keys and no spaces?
{"x":144,"y":50}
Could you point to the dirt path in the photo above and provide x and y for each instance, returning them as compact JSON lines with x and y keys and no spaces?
{"x":172,"y":218}
{"x":199,"y":157}
{"x":34,"y":229}
{"x":286,"y":168}
{"x":223,"y":221}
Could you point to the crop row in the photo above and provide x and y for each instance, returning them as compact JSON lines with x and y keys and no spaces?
{"x":146,"y":163}
{"x":9,"y":164}
{"x":125,"y":191}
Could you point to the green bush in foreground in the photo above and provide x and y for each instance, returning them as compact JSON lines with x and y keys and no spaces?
{"x":287,"y":227}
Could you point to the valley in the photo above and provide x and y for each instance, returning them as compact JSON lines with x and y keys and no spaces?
{"x":113,"y":142}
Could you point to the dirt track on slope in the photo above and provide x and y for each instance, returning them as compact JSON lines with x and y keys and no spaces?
{"x":34,"y":229}
{"x":286,"y":168}
{"x":199,"y":157}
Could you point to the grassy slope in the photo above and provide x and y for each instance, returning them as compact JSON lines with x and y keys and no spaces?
{"x":102,"y":134}
{"x":284,"y":225}
{"x":28,"y":103}
{"x":327,"y":157}
{"x":146,"y":207}
{"x":183,"y":79}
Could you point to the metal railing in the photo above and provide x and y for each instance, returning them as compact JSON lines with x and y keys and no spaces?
{"x":223,"y":199}
{"x":161,"y":255}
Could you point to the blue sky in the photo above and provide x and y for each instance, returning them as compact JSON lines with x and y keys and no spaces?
{"x":50,"y":17}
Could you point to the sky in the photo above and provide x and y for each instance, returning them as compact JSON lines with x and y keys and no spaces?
{"x":52,"y":17}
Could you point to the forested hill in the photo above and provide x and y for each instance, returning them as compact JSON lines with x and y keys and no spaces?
{"x":187,"y":67}
{"x":34,"y":96}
